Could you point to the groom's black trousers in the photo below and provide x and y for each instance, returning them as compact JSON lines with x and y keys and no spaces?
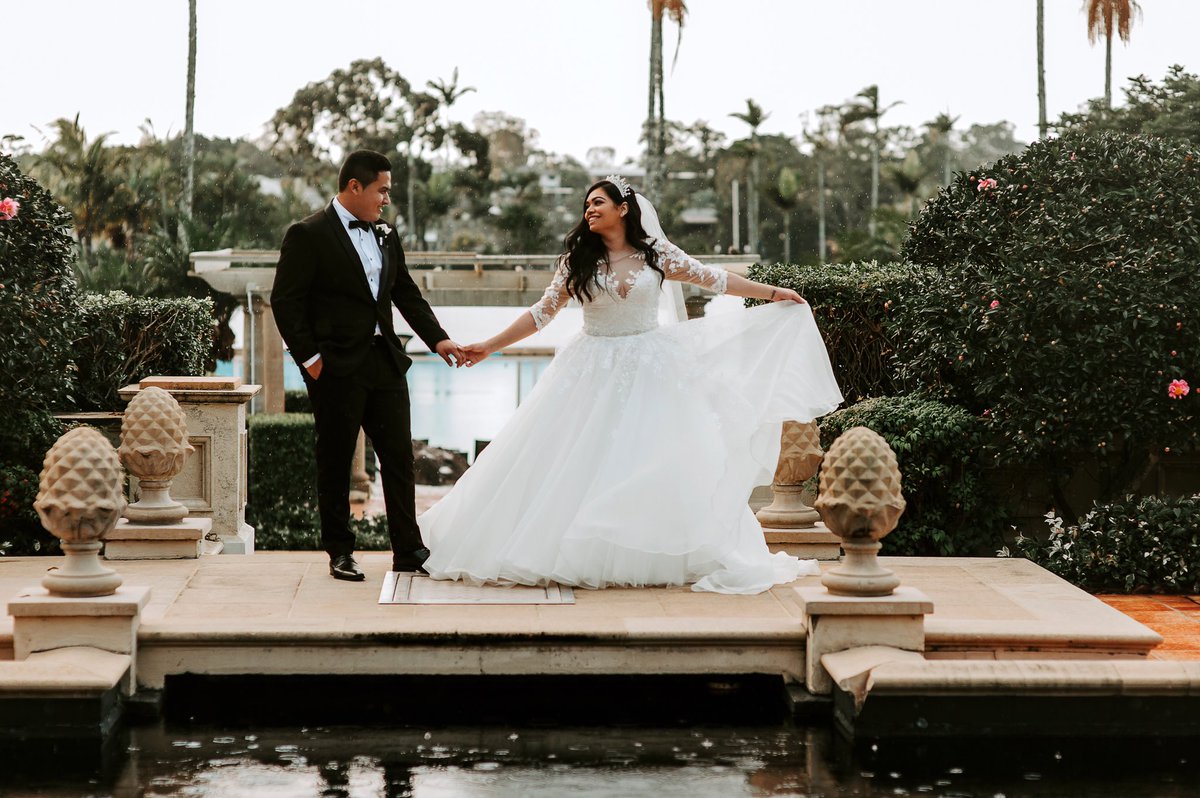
{"x":374,"y":397}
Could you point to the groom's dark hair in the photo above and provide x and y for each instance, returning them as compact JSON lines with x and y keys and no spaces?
{"x":363,"y":166}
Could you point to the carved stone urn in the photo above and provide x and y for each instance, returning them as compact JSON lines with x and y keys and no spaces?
{"x":80,"y":499}
{"x":154,"y":447}
{"x":799,"y":458}
{"x":861,"y":503}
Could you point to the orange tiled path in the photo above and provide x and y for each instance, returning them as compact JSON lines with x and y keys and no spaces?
{"x":1176,"y":618}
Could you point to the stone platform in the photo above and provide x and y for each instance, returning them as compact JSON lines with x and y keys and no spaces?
{"x":281,"y":613}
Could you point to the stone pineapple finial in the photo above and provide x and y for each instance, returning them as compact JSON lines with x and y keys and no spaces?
{"x":154,"y":447}
{"x":80,"y":499}
{"x":861,"y":503}
{"x":799,"y":458}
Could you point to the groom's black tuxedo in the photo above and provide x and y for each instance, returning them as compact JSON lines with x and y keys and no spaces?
{"x":323,"y":305}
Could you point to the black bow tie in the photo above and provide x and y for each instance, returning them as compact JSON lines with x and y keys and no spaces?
{"x":359,"y":223}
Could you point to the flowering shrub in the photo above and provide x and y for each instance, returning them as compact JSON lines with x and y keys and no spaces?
{"x":38,"y":308}
{"x":37,"y":295}
{"x":9,"y":208}
{"x":21,"y":532}
{"x":1067,"y":303}
{"x":1147,"y":545}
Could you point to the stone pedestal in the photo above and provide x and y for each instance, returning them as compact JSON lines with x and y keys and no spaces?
{"x":212,"y":484}
{"x":42,"y":622}
{"x":179,"y":541}
{"x":814,"y":543}
{"x":838,"y":623}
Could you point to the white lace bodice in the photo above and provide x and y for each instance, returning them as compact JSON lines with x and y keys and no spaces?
{"x":628,"y":301}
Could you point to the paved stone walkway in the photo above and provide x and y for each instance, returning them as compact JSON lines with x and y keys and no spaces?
{"x":1176,"y":618}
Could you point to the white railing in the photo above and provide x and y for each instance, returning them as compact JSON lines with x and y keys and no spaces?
{"x":223,"y":259}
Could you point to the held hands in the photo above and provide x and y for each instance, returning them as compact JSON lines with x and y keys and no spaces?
{"x":314,"y":370}
{"x":451,"y":352}
{"x":476,"y":353}
{"x":785,"y":295}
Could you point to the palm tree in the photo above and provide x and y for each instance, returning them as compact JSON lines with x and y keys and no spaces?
{"x":189,"y":136}
{"x":656,"y":136}
{"x":82,"y":176}
{"x":447,"y":93}
{"x":870,"y":110}
{"x":1041,"y":67}
{"x":753,"y":117}
{"x":1107,"y":17}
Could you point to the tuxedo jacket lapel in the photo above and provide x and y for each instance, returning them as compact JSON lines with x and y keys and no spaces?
{"x":343,"y":237}
{"x":384,"y":276}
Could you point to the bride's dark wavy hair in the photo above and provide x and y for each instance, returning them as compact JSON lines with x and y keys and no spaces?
{"x":585,"y":250}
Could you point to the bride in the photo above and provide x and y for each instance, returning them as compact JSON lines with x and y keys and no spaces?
{"x":631,"y":461}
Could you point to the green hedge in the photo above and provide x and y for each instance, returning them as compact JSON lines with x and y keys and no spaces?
{"x":853,"y":304}
{"x":951,"y":510}
{"x":124,"y":339}
{"x":282,"y":460}
{"x":295,"y":400}
{"x":1067,"y":301}
{"x":282,"y":494}
{"x":1149,"y":545}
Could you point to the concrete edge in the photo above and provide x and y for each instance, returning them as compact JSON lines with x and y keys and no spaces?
{"x":78,"y":670}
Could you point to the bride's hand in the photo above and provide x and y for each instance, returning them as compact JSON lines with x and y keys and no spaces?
{"x":785,"y":295}
{"x":474,"y":353}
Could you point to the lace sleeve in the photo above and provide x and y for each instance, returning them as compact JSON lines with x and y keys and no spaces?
{"x":678,"y":265}
{"x":553,"y":300}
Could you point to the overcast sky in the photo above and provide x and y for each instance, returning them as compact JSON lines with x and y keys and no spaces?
{"x":575,"y":70}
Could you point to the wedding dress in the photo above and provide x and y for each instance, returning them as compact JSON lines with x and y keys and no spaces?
{"x":632,"y":459}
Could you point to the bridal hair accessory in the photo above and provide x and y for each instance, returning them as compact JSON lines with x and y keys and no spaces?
{"x":621,"y":185}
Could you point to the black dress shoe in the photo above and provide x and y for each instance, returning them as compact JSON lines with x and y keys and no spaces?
{"x":413,"y":561}
{"x":344,"y":567}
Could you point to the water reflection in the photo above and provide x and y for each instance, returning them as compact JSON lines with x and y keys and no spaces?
{"x":357,"y":762}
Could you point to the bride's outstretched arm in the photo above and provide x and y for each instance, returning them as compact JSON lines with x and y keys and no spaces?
{"x":522,"y":328}
{"x":740,"y":286}
{"x":678,"y":265}
{"x":537,"y":317}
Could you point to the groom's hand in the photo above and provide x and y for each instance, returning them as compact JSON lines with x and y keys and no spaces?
{"x":450,"y":352}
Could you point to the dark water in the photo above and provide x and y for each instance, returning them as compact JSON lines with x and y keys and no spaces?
{"x":545,"y":737}
{"x":718,"y":761}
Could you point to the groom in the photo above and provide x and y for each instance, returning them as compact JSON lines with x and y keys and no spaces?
{"x":339,"y":274}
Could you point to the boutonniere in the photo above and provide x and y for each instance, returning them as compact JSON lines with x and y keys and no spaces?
{"x":383,"y":230}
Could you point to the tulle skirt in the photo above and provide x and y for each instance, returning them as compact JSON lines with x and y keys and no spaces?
{"x":631,"y":461}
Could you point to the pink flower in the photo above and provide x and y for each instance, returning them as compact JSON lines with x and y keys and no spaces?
{"x":9,"y":208}
{"x":1178,"y":389}
{"x":986,"y":183}
{"x":995,"y":304}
